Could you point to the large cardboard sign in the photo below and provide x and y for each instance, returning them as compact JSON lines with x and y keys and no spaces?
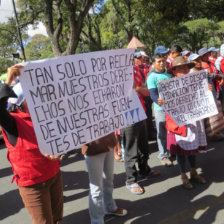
{"x":187,"y":99}
{"x":74,"y":100}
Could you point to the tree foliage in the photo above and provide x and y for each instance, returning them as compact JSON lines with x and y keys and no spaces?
{"x":8,"y":39}
{"x":75,"y":26}
{"x":91,"y":35}
{"x":38,"y":48}
{"x":198,"y":33}
{"x":4,"y":64}
{"x":63,"y":20}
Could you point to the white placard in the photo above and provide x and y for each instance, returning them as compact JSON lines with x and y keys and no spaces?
{"x":187,"y":98}
{"x":76,"y":99}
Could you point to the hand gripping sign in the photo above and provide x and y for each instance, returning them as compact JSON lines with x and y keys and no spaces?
{"x":187,"y":98}
{"x":76,"y":99}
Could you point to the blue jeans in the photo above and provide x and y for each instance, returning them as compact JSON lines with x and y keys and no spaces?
{"x":160,"y":118}
{"x":101,"y":174}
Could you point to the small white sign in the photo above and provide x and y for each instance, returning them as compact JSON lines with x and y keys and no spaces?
{"x":187,"y":98}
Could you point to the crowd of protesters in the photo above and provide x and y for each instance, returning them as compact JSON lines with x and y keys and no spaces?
{"x":172,"y":139}
{"x":42,"y":191}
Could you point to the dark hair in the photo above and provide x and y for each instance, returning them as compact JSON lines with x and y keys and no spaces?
{"x":156,"y":56}
{"x":176,"y":48}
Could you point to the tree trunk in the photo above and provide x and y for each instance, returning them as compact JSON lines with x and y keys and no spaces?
{"x":75,"y":18}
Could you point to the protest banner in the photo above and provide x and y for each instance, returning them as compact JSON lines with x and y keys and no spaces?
{"x":76,"y":99}
{"x":187,"y":98}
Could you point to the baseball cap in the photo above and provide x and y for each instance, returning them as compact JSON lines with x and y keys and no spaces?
{"x":203,"y":51}
{"x":185,"y":52}
{"x":142,"y":53}
{"x":161,"y":50}
{"x":193,"y":57}
{"x":213,"y":49}
{"x":136,"y":54}
{"x":19,"y":93}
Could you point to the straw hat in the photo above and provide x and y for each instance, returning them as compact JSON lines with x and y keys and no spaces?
{"x":179,"y":61}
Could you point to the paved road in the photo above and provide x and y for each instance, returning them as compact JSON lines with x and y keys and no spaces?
{"x":164,"y":202}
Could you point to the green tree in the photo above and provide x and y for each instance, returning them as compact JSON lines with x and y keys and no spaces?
{"x":38,"y":48}
{"x":4,"y":64}
{"x":127,"y":11}
{"x":198,"y":33}
{"x":113,"y":34}
{"x":8,"y":39}
{"x":220,"y":31}
{"x":89,"y":25}
{"x":90,"y":38}
{"x":63,"y":20}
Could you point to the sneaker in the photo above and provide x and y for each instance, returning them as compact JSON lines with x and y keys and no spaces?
{"x":118,"y":212}
{"x":166,"y":161}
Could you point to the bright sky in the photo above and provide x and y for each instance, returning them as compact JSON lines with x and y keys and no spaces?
{"x":6,"y":11}
{"x":41,"y":29}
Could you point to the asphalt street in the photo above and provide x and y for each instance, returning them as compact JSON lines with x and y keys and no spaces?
{"x":164,"y":202}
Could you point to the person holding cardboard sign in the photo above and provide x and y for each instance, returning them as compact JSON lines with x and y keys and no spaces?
{"x":187,"y":140}
{"x":37,"y":176}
